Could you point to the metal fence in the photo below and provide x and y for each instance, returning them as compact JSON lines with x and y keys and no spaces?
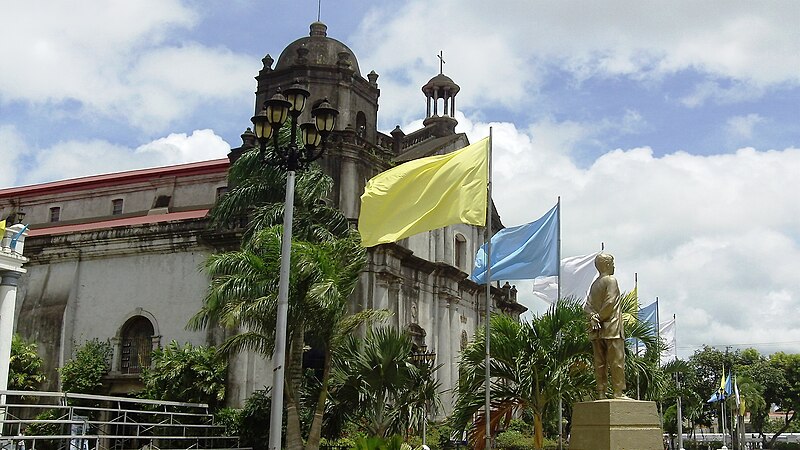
{"x":64,"y":421}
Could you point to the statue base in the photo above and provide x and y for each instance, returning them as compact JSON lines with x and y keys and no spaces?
{"x":615,"y":425}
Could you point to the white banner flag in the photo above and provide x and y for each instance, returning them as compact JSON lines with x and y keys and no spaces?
{"x":577,"y":275}
{"x":666,"y":331}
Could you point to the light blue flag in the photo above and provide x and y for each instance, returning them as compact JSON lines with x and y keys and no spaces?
{"x":15,"y":238}
{"x":723,"y":392}
{"x":523,"y":252}
{"x":649,"y":314}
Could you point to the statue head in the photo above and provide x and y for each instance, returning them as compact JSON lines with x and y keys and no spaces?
{"x":604,"y":263}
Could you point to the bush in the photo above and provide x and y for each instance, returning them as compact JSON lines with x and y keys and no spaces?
{"x":83,"y":374}
{"x":254,"y":428}
{"x":231,"y":419}
{"x":25,"y":366}
{"x":186,"y":374}
{"x":514,"y":440}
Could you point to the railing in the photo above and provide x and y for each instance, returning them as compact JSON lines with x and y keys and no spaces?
{"x":95,"y":422}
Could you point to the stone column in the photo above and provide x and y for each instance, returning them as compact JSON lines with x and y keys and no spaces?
{"x":443,"y":355}
{"x":8,"y":304}
{"x":116,"y":355}
{"x":455,"y":337}
{"x":349,"y":189}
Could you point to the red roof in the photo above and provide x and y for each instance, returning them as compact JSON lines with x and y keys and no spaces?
{"x":138,"y":220}
{"x":118,"y":178}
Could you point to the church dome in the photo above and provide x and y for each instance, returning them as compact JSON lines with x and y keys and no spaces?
{"x":437,"y":85}
{"x":317,"y":49}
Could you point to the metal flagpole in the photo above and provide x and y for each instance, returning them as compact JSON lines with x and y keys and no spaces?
{"x":558,"y":299}
{"x":722,"y":403}
{"x":487,"y":356}
{"x":678,"y":385}
{"x":638,"y":307}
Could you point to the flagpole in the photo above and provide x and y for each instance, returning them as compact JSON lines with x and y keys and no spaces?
{"x":558,"y":299}
{"x":722,"y":402}
{"x":487,"y":356}
{"x":638,"y":308}
{"x":678,"y":385}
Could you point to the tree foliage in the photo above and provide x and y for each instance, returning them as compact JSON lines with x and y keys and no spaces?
{"x":186,"y":374}
{"x":84,"y":372}
{"x":374,"y":382}
{"x":25,"y":366}
{"x":325,"y":265}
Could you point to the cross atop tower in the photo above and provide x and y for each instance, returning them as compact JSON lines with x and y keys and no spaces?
{"x":441,"y":62}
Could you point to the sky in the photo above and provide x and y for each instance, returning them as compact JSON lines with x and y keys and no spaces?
{"x":671,"y":130}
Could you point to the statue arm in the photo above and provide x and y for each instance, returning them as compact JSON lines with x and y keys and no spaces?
{"x":594,"y":316}
{"x":610,"y":299}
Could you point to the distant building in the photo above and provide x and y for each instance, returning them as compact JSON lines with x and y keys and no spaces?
{"x":116,"y":256}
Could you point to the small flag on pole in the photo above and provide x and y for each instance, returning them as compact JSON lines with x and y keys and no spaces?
{"x":425,"y":194}
{"x":649,"y":315}
{"x":666,"y":331}
{"x":523,"y":252}
{"x":724,"y":389}
{"x":577,"y":275}
{"x":16,"y":237}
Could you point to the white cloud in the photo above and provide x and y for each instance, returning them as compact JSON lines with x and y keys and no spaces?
{"x":116,"y":59}
{"x":502,"y":53}
{"x":712,"y":236}
{"x":742,"y":126}
{"x":12,"y":145}
{"x":75,"y":158}
{"x":711,"y":90}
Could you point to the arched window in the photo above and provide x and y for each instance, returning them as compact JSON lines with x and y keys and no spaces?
{"x":460,"y":252}
{"x":136,"y":344}
{"x":361,"y":124}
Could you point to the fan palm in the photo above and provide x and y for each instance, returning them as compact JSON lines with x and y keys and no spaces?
{"x":372,"y":379}
{"x":532,"y":364}
{"x":243,"y":294}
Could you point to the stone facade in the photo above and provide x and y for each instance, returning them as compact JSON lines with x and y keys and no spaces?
{"x":116,"y":256}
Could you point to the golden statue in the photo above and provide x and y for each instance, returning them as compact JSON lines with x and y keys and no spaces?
{"x":606,"y":329}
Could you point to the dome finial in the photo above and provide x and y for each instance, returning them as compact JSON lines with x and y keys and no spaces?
{"x":318,"y":29}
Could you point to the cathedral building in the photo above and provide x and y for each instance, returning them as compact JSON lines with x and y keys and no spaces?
{"x":117,"y":256}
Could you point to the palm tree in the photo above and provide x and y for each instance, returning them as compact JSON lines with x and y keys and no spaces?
{"x":532,"y":364}
{"x":335,"y":267}
{"x":258,"y":191}
{"x":243,"y":295}
{"x":244,"y":283}
{"x":374,"y":376}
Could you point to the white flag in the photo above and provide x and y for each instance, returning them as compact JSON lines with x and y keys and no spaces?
{"x":666,"y":331}
{"x":577,"y":275}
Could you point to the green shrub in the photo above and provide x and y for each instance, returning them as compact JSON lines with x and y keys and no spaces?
{"x":83,"y":374}
{"x":231,"y":419}
{"x":514,"y":440}
{"x":254,"y":428}
{"x":25,"y":366}
{"x":186,"y":374}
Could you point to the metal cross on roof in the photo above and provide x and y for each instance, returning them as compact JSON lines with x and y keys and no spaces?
{"x":441,"y":61}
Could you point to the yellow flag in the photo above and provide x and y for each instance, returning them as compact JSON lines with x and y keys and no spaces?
{"x":425,"y":194}
{"x":2,"y":228}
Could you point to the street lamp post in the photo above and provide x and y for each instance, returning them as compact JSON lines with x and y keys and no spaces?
{"x":290,"y":158}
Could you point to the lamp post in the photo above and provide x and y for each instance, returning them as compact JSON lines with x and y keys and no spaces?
{"x":290,"y":158}
{"x":419,"y":358}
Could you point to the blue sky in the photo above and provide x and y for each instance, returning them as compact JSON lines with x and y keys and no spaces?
{"x":671,"y":131}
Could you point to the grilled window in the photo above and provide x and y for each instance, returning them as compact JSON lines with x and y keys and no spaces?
{"x":116,"y":207}
{"x":137,"y":345}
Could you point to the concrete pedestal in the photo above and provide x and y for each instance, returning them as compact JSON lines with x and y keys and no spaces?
{"x":615,"y":425}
